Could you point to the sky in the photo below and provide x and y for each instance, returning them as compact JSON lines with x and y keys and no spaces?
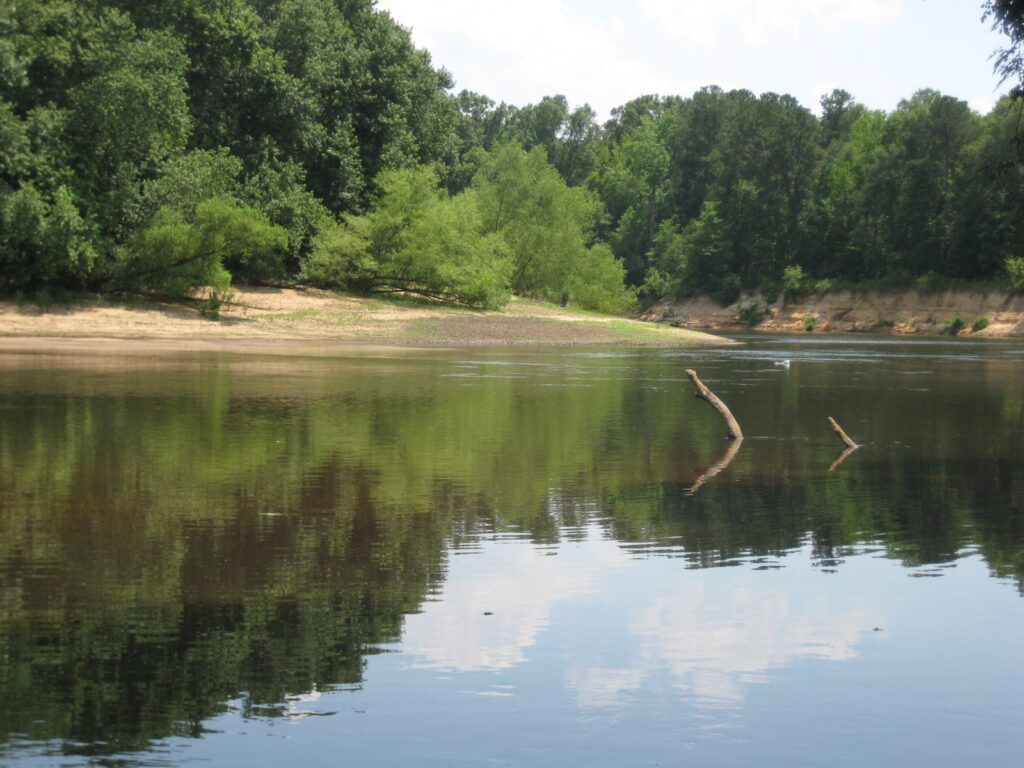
{"x":606,"y":52}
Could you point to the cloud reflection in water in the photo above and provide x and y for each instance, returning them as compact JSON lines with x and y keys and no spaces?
{"x":655,"y":625}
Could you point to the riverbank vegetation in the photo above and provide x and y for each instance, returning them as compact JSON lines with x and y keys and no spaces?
{"x":172,"y":149}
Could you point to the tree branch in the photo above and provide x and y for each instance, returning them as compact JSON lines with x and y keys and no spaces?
{"x":733,"y":426}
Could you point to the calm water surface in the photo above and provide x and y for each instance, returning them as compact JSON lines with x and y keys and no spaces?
{"x":526,"y":558}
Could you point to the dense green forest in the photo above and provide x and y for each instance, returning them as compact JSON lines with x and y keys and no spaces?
{"x":170,"y":148}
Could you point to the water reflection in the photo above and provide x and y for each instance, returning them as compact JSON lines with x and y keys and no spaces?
{"x":205,"y":536}
{"x":714,"y":637}
{"x":497,"y":601}
{"x":709,"y":635}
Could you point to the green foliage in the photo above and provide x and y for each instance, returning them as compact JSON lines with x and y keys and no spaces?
{"x":955,"y":325}
{"x":708,"y":254}
{"x":795,"y":282}
{"x":1014,"y":267}
{"x":644,"y":166}
{"x":668,"y":264}
{"x":752,"y":312}
{"x":178,"y":257}
{"x":190,"y":179}
{"x":809,"y":323}
{"x":416,"y":240}
{"x":1008,"y":17}
{"x":597,"y":282}
{"x":980,"y":324}
{"x":727,"y":290}
{"x":657,"y":284}
{"x":111,"y":112}
{"x":544,"y":222}
{"x":42,"y":242}
{"x":129,"y":116}
{"x":444,"y":254}
{"x":278,"y":189}
{"x":340,"y":257}
{"x":855,"y":196}
{"x":291,"y":107}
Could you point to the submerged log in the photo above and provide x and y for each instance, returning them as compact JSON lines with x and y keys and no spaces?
{"x":735,"y":433}
{"x":847,"y":440}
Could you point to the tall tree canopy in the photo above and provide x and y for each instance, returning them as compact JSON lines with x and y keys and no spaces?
{"x":170,"y":147}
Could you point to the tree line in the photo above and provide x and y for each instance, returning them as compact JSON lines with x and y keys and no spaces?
{"x":172,"y":148}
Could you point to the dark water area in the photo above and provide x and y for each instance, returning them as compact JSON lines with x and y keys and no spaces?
{"x":512,"y":557}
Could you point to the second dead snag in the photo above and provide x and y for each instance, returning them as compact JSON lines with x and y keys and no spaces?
{"x":735,"y":433}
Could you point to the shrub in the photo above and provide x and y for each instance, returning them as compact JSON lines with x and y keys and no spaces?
{"x":418,"y":240}
{"x":954,"y":326}
{"x":824,"y":285}
{"x":795,"y":282}
{"x":1015,"y":271}
{"x":809,"y":323}
{"x":177,"y":257}
{"x":43,"y":240}
{"x":751,"y":312}
{"x":657,"y":285}
{"x":980,"y":324}
{"x":597,"y":282}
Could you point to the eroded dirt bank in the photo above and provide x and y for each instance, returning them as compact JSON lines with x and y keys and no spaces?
{"x":992,"y":313}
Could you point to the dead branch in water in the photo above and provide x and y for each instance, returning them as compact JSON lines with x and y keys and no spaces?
{"x":735,"y":433}
{"x":847,"y":440}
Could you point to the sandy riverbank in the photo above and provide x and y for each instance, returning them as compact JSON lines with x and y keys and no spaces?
{"x":264,"y":319}
{"x":984,"y":313}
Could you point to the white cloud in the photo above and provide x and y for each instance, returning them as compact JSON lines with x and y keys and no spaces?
{"x":606,"y":54}
{"x":763,"y":22}
{"x":532,"y":48}
{"x":983,"y":104}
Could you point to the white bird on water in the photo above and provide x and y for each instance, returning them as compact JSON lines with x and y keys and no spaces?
{"x":782,"y":363}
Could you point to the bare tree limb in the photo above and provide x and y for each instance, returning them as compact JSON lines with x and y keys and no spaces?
{"x":847,"y":440}
{"x":735,"y":433}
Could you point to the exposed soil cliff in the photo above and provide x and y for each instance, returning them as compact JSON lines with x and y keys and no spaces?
{"x":980,"y":313}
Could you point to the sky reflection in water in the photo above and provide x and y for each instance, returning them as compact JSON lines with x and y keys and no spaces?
{"x":506,"y":557}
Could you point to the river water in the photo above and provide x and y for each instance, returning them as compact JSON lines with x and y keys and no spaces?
{"x":514,"y":557}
